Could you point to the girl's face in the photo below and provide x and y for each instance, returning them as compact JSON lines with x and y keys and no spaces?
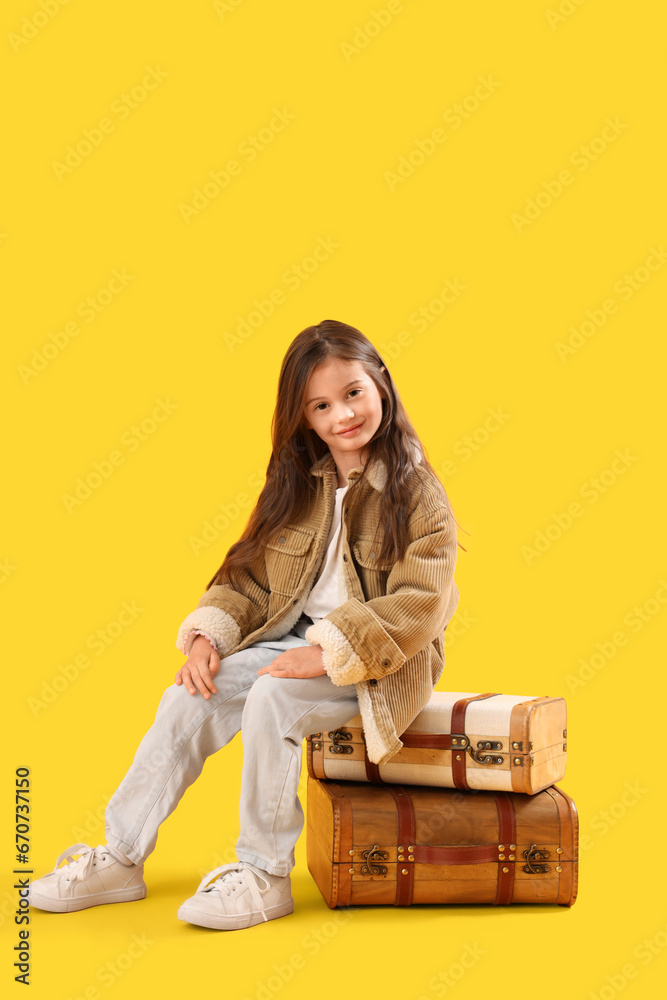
{"x":344,"y":408}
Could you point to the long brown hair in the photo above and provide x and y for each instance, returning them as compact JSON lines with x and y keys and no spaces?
{"x":290,"y":486}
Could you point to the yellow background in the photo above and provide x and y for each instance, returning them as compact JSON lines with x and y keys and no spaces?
{"x":361,"y":97}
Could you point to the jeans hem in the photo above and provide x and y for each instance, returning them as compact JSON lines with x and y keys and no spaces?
{"x":127,"y":850}
{"x":281,"y":868}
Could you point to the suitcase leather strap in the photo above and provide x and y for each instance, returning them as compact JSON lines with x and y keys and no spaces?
{"x":372,"y":770}
{"x":455,"y":855}
{"x":507,"y":835}
{"x":405,"y":874}
{"x":458,"y":727}
{"x":437,"y":741}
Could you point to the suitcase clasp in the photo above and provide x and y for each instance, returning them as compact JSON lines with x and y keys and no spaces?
{"x":484,"y":758}
{"x":532,"y":855}
{"x":336,"y":736}
{"x":460,"y":741}
{"x":373,"y":855}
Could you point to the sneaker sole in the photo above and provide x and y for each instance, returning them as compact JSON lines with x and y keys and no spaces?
{"x":233,"y":921}
{"x":97,"y":899}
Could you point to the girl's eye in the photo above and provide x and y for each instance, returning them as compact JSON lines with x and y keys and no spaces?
{"x":317,"y":406}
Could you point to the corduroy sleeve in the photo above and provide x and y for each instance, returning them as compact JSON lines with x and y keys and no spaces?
{"x":228,"y":614}
{"x":366,"y":640}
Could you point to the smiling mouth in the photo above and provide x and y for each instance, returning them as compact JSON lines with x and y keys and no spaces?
{"x":348,"y":429}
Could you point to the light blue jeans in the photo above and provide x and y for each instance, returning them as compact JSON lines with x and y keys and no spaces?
{"x":273,"y":714}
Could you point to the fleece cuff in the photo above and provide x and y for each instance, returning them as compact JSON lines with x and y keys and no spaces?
{"x":379,"y":748}
{"x":340,"y":661}
{"x":220,"y":626}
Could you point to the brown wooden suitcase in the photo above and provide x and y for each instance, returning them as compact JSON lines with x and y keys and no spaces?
{"x":402,"y":844}
{"x":499,"y":742}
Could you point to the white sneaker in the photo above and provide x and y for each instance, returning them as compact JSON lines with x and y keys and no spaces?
{"x":89,"y":877}
{"x":238,"y":895}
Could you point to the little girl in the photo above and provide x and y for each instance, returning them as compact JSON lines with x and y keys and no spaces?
{"x":332,"y":603}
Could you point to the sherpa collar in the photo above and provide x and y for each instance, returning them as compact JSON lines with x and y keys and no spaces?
{"x":376,"y":473}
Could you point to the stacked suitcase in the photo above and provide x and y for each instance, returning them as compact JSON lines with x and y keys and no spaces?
{"x":466,"y":812}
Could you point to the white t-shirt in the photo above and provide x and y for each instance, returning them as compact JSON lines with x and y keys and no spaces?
{"x":323,"y":597}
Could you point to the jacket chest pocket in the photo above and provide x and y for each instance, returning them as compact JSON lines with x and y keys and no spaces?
{"x":286,"y":556}
{"x":372,"y":572}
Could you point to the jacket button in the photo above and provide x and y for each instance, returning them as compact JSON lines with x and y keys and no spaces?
{"x":385,"y":663}
{"x":281,"y":539}
{"x":371,"y":555}
{"x":373,"y":680}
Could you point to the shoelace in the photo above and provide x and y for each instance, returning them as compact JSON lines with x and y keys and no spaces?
{"x":78,"y":868}
{"x":227,"y":878}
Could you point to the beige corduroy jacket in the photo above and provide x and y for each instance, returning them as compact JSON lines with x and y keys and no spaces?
{"x":387,"y":634}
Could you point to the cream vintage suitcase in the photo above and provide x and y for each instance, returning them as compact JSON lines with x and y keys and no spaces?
{"x":501,"y":742}
{"x":403,"y":844}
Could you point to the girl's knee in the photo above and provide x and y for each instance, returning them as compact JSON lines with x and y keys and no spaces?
{"x":263,"y":688}
{"x":266,"y":694}
{"x":178,"y":701}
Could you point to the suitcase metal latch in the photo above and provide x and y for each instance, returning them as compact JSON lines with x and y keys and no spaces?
{"x":460,"y":741}
{"x":533,"y":855}
{"x":337,"y":735}
{"x":374,"y":854}
{"x":485,"y":758}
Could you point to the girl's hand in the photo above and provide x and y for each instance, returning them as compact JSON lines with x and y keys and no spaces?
{"x":304,"y":661}
{"x":200,"y":668}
